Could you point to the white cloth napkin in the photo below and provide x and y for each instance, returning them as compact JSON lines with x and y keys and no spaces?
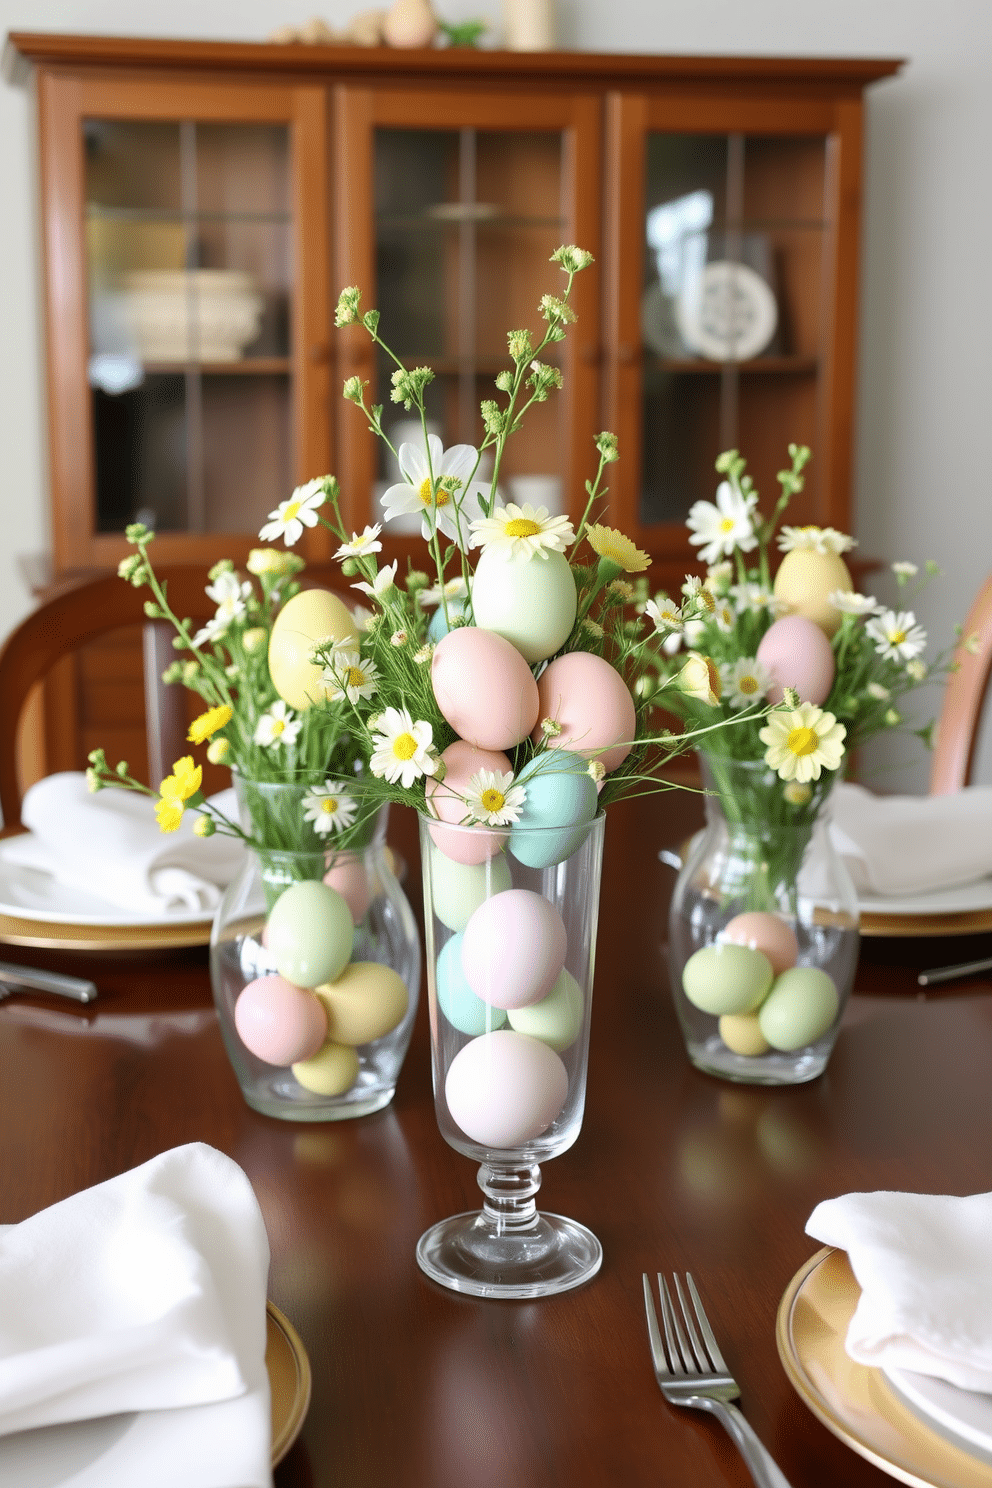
{"x":144,"y":1294}
{"x":924,"y":1265}
{"x":912,"y":844}
{"x":110,"y":845}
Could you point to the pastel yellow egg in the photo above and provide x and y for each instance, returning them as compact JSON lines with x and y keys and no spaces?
{"x":741,"y":1032}
{"x":806,"y":579}
{"x":331,"y":1071}
{"x":310,"y":616}
{"x":529,"y":600}
{"x":367,"y":1001}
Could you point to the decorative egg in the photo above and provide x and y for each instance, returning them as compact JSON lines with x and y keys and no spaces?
{"x":513,"y":948}
{"x":310,"y":934}
{"x":560,"y":794}
{"x":504,"y":1089}
{"x":592,"y":705}
{"x":741,"y":1032}
{"x":806,"y":579}
{"x":331,"y":1071}
{"x":557,"y":1018}
{"x":438,"y":626}
{"x":349,"y":877}
{"x":367,"y":1001}
{"x":722,"y":979}
{"x":484,"y":688}
{"x":279,"y":1022}
{"x":530,"y":600}
{"x":459,"y":1004}
{"x":766,"y":932}
{"x":798,"y":654}
{"x":446,"y":799}
{"x":310,"y":616}
{"x":457,"y":889}
{"x":799,"y":1009}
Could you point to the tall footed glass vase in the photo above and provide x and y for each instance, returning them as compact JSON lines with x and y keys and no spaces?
{"x":763,"y":928}
{"x":510,"y":918}
{"x":315,"y":963}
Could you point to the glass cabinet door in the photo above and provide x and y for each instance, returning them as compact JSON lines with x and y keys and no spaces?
{"x":463,"y":220}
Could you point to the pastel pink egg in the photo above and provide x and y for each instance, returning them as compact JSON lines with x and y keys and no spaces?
{"x":766,"y":932}
{"x":446,"y":799}
{"x":484,"y":688}
{"x":592,"y":704}
{"x":798,"y":654}
{"x":513,"y":948}
{"x":349,"y":876}
{"x":505,"y":1088}
{"x":278,"y":1022}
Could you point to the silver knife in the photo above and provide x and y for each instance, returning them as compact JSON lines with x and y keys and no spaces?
{"x":31,"y":979}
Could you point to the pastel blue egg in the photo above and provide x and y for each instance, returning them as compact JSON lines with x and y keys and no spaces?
{"x":310,"y":934}
{"x":457,"y":889}
{"x":560,"y":792}
{"x":439,"y":627}
{"x":459,"y":1004}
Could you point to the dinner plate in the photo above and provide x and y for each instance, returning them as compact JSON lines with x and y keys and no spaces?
{"x":31,"y":894}
{"x":964,"y":1415}
{"x":965,"y":909}
{"x":857,"y":1403}
{"x":288,"y":1369}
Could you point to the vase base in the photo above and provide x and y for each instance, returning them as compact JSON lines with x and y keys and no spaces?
{"x":468,"y":1254}
{"x":301,"y":1106}
{"x":714,"y":1058}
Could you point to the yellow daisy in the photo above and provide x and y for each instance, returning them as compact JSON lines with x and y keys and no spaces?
{"x":803,"y":741}
{"x":176,"y":789}
{"x":614,"y":545}
{"x":208,"y":723}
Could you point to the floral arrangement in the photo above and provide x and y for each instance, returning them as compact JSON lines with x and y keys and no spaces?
{"x":523,"y":657}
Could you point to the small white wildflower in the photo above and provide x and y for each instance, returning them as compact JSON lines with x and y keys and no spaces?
{"x":850,"y":603}
{"x":361,"y":544}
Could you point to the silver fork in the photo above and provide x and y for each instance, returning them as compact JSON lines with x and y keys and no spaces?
{"x":691,"y":1370}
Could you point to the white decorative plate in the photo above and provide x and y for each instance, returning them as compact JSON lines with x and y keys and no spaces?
{"x":728,"y":313}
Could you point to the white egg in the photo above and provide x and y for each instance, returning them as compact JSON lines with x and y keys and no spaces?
{"x":504,"y":1089}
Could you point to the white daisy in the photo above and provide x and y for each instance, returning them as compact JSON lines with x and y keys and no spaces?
{"x":802,"y":742}
{"x":229,"y":594}
{"x":745,"y":682}
{"x":455,"y":588}
{"x":452,"y":513}
{"x":723,"y":527}
{"x":520,"y":531}
{"x":850,"y":603}
{"x":492,"y":797}
{"x":820,"y":539}
{"x":401,"y":749}
{"x":329,"y":809}
{"x":290,"y":517}
{"x":215,"y":630}
{"x":664,"y":613}
{"x":351,"y":677}
{"x":725,"y":616}
{"x":278,"y":726}
{"x":382,"y":583}
{"x":755,"y":598}
{"x":897,"y":636}
{"x":361,"y":544}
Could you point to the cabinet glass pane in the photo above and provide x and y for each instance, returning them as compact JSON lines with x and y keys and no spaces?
{"x":466,"y":221}
{"x":731,"y":310}
{"x":189,"y":269}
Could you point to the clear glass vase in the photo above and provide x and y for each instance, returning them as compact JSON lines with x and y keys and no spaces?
{"x":763,"y":928}
{"x":325,"y":1041}
{"x":510,"y":919}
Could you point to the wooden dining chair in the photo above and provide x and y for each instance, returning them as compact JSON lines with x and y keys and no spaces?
{"x":961,"y":712}
{"x":82,"y":610}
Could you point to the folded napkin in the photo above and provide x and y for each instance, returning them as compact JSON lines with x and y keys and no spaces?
{"x":912,"y":844}
{"x":143,"y":1294}
{"x":924,"y":1265}
{"x":109,"y":844}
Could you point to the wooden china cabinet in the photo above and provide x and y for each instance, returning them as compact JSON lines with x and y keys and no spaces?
{"x":202,"y":204}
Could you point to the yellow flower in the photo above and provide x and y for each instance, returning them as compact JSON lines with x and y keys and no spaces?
{"x":175,"y":790}
{"x":611,"y":544}
{"x":208,"y":723}
{"x":802,"y":742}
{"x":272,"y":561}
{"x":700,"y":679}
{"x":218,"y":750}
{"x":168,"y":814}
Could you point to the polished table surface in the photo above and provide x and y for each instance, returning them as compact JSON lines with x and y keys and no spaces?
{"x":415,"y":1385}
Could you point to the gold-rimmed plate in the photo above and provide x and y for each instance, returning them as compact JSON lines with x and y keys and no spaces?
{"x":60,"y":935}
{"x":853,"y":1401}
{"x":288,"y":1369}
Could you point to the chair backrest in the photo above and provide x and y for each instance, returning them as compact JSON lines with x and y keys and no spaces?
{"x":80,"y":611}
{"x":957,"y":726}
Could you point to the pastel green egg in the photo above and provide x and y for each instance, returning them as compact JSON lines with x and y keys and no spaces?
{"x":528,"y":599}
{"x":799,"y":1009}
{"x":463,"y":1009}
{"x":310,"y":933}
{"x":559,"y":793}
{"x":557,"y":1018}
{"x":726,"y":978}
{"x":457,"y":889}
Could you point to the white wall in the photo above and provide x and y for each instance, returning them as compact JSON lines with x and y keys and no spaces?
{"x":923,"y":487}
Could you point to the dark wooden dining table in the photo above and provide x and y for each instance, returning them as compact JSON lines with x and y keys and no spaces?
{"x":416,"y":1385}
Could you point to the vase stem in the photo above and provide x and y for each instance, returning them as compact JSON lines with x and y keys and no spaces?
{"x":510,"y":1196}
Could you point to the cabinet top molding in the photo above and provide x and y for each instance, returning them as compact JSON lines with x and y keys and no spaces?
{"x":829,"y":74}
